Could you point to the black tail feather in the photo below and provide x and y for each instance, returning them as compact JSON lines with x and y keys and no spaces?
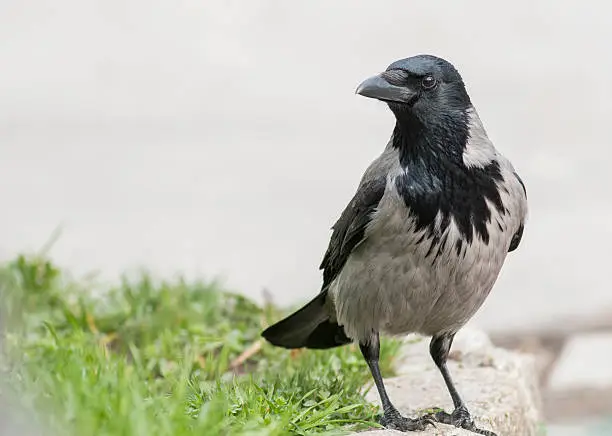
{"x":309,"y":327}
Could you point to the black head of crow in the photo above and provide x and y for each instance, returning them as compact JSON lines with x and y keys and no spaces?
{"x":423,"y":89}
{"x":421,"y":243}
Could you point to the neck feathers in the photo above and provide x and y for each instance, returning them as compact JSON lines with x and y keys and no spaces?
{"x":457,"y":138}
{"x":479,"y":150}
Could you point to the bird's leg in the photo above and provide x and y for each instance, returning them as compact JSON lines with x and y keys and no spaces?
{"x":391,"y":417}
{"x":439,"y":349}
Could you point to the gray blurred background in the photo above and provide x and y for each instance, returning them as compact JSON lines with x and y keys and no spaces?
{"x":224,"y":138}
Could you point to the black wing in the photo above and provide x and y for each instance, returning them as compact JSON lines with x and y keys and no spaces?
{"x":516,"y":238}
{"x":350,"y":227}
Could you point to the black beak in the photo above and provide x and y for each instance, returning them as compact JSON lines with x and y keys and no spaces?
{"x":377,"y":87}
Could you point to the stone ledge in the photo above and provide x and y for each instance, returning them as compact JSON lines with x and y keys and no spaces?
{"x":500,"y":387}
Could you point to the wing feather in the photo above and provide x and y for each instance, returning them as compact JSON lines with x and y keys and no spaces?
{"x":349,"y":230}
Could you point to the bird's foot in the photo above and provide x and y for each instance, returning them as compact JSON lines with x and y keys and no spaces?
{"x":394,"y":421}
{"x":460,"y":418}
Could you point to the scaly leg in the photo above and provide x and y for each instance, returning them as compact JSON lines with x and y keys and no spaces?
{"x":391,"y":417}
{"x":439,"y":349}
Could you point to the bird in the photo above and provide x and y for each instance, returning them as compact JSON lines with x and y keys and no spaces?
{"x":421,"y":244}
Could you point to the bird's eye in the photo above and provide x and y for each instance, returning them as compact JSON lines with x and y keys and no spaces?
{"x":428,"y":82}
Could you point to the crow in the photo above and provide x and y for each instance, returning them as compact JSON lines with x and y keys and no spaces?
{"x":421,"y":244}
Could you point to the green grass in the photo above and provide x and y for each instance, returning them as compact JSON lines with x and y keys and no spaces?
{"x":151,"y":359}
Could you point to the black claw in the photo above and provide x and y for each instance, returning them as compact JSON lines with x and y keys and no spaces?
{"x":461,"y":418}
{"x":483,"y":431}
{"x":429,"y":421}
{"x":477,"y":430}
{"x":395,"y":421}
